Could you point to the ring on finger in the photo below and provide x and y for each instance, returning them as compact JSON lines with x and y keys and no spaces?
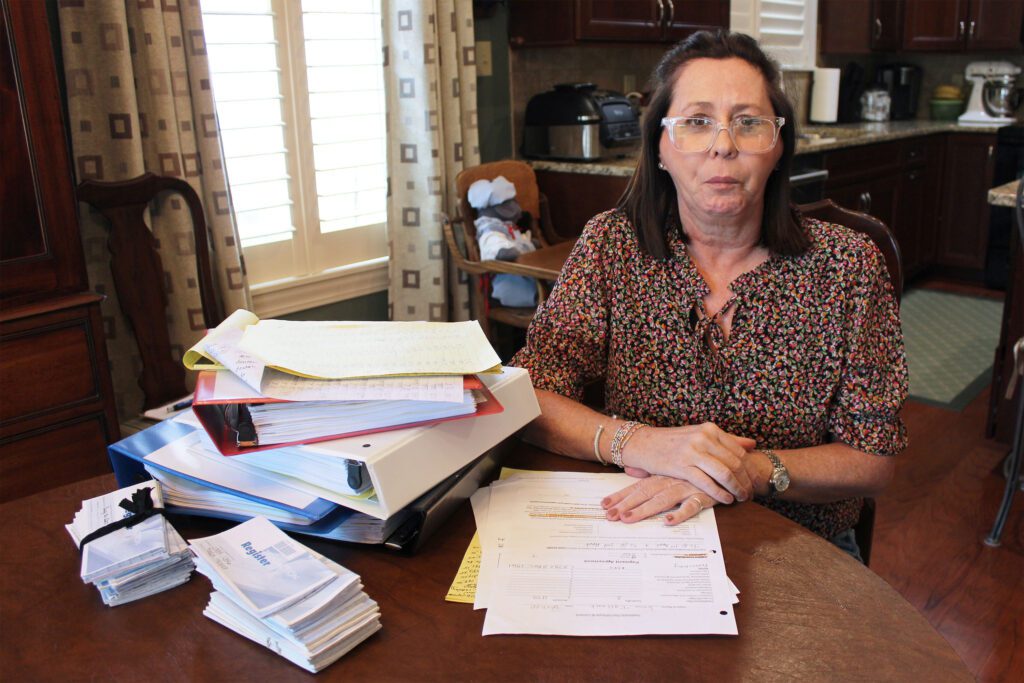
{"x":700,"y":504}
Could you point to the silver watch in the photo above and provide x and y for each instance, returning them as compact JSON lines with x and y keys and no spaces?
{"x":778,"y":480}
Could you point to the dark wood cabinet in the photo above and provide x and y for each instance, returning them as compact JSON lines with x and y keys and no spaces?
{"x":568,"y":22}
{"x":55,"y":390}
{"x":962,"y":25}
{"x":860,"y":26}
{"x":967,"y":178}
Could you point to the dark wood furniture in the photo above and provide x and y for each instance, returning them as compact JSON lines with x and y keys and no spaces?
{"x":1002,"y":409}
{"x":56,"y":400}
{"x":139,"y":274}
{"x":863,"y":26}
{"x":963,"y":231}
{"x":569,"y":22}
{"x":807,"y":611}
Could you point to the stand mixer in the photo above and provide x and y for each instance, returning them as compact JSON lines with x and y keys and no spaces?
{"x":978,"y":73}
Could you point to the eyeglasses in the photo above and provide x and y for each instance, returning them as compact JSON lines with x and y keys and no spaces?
{"x":750,"y":134}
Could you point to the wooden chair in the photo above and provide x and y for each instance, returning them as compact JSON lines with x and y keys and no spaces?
{"x":827,"y":210}
{"x":465,"y":252}
{"x":139,"y":275}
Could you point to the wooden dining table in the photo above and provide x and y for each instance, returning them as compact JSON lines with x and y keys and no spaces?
{"x":807,"y":611}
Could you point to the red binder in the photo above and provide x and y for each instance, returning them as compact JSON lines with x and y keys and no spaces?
{"x":212,"y":415}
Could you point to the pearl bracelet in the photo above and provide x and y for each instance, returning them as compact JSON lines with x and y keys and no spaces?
{"x":622,"y":435}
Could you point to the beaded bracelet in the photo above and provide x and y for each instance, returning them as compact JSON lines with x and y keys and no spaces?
{"x":597,"y":445}
{"x":622,"y":435}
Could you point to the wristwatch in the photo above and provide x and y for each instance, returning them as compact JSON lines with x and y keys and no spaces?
{"x":778,"y":480}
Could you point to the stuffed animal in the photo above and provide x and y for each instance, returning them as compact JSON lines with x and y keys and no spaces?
{"x":499,"y":237}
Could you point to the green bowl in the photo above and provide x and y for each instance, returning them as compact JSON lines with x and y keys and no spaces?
{"x":946,"y":110}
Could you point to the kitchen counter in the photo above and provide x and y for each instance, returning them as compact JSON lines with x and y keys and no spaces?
{"x":814,"y":138}
{"x":1004,"y":195}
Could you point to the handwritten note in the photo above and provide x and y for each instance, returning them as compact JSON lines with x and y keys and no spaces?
{"x":198,"y":358}
{"x":345,"y":350}
{"x":463,"y":588}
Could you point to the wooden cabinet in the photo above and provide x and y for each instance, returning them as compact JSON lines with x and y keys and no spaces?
{"x":56,"y":402}
{"x":568,"y":22}
{"x":860,"y":26}
{"x":897,"y":182}
{"x":863,"y":26}
{"x":969,"y":167}
{"x":962,"y":25}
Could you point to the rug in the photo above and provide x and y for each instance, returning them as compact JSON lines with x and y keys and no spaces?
{"x":951,"y":341}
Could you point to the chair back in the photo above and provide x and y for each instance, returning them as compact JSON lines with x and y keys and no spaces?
{"x":878,"y":231}
{"x":139,"y":275}
{"x":528,"y":195}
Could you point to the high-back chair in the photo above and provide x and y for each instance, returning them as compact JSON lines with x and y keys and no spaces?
{"x":460,"y":235}
{"x":139,"y":275}
{"x":827,"y":210}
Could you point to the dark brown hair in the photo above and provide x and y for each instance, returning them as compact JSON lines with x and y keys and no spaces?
{"x":650,"y":198}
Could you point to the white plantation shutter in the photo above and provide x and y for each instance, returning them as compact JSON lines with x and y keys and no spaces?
{"x":786,"y":29}
{"x":300,"y":103}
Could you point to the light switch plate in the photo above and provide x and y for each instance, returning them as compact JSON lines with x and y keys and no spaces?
{"x":484,"y":63}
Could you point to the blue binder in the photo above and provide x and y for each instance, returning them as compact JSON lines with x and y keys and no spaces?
{"x":128,"y":455}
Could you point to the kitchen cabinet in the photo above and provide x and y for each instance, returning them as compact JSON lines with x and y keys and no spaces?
{"x":962,"y":25}
{"x":860,"y":26}
{"x":57,"y":399}
{"x":968,"y":171}
{"x":570,"y":22}
{"x":896,"y":182}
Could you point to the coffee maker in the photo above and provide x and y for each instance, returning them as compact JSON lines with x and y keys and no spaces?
{"x":903,"y":83}
{"x":979,"y":74}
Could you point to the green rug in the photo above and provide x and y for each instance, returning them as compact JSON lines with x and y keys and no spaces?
{"x":951,"y":341}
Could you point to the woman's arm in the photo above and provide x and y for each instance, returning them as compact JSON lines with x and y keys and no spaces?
{"x":710,"y":459}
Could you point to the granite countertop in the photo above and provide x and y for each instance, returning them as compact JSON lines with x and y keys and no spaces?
{"x":815,"y":138}
{"x":1004,"y":195}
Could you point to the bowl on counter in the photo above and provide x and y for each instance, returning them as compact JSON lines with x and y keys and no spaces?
{"x":945,"y":110}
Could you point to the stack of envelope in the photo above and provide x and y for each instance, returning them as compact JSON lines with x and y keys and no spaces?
{"x":283,"y":595}
{"x":130,"y":550}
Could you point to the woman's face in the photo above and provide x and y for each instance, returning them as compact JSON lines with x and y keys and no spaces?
{"x":722,"y":184}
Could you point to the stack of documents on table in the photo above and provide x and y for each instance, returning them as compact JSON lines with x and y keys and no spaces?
{"x":284,"y":596}
{"x":552,"y":564}
{"x":129,"y":563}
{"x":275,"y":382}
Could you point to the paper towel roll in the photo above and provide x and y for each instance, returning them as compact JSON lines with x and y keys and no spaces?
{"x":825,"y":95}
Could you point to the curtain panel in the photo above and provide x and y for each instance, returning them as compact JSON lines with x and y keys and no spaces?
{"x":430,"y":84}
{"x":139,"y":99}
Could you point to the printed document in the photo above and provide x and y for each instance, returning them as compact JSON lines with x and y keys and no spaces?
{"x":552,"y":564}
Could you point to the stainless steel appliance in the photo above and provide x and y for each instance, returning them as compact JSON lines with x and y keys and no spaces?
{"x":578,"y":122}
{"x":1002,"y":75}
{"x":903,"y":83}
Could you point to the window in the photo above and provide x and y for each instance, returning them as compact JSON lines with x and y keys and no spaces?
{"x":299,"y":94}
{"x":786,"y":29}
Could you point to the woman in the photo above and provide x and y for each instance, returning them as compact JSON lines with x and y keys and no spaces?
{"x":746,"y":352}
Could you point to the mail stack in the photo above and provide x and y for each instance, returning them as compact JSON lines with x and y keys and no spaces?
{"x":283,"y":595}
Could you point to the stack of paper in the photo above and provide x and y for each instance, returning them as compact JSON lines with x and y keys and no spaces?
{"x":129,"y":563}
{"x":289,"y":382}
{"x":282,"y":595}
{"x":552,"y":564}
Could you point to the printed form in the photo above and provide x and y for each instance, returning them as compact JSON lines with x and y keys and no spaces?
{"x":553,"y":565}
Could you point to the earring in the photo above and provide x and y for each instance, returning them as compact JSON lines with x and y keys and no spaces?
{"x":662,"y":166}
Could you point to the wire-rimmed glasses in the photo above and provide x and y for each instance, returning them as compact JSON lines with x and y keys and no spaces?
{"x":750,"y":134}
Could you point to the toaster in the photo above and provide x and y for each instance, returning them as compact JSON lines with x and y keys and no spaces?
{"x":578,"y":122}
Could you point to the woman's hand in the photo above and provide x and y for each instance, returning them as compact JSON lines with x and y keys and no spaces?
{"x":707,"y":457}
{"x":653,"y":495}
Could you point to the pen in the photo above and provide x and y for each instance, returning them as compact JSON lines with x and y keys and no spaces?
{"x":180,"y":405}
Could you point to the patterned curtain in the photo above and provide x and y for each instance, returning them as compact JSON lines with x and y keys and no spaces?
{"x":430,"y":81}
{"x":139,"y":99}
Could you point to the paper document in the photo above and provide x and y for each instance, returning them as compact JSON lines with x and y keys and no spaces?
{"x":346,"y":350}
{"x":198,"y":358}
{"x":552,"y":564}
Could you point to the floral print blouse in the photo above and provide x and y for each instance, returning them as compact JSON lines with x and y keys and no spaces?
{"x":814,"y":355}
